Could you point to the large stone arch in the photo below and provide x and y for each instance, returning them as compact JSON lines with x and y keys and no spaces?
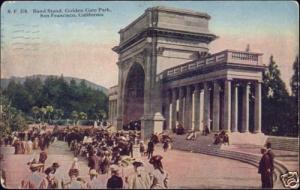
{"x":133,"y":93}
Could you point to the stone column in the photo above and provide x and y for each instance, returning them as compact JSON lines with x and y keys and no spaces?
{"x":167,"y":108}
{"x":109,"y":110}
{"x":120,"y":98}
{"x":206,"y":106}
{"x":245,"y":120}
{"x":197,"y":107}
{"x":257,"y":109}
{"x":227,"y":105}
{"x":147,"y":120}
{"x":181,"y":111}
{"x":234,"y":115}
{"x":201,"y":119}
{"x":188,"y":108}
{"x":216,"y":107}
{"x":114,"y":104}
{"x":174,"y":102}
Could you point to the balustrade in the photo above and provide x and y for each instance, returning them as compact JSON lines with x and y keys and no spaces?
{"x":227,"y":56}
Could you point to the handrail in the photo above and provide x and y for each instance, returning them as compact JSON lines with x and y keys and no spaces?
{"x":226,"y":56}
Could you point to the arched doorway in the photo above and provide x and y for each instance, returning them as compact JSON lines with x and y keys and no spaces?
{"x":134,"y":94}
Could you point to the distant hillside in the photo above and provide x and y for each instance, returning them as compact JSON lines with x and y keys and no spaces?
{"x":5,"y":82}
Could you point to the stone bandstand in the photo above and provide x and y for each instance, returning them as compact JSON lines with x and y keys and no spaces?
{"x":167,"y":75}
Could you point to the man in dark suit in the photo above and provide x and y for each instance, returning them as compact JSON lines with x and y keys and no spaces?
{"x":115,"y":182}
{"x":272,"y":156}
{"x":264,"y":169}
{"x":93,"y":161}
{"x":150,"y":149}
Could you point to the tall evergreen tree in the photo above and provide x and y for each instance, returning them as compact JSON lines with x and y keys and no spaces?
{"x":275,"y":101}
{"x":295,"y":78}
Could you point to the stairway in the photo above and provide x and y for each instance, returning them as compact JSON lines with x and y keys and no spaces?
{"x":284,"y":143}
{"x":203,"y":145}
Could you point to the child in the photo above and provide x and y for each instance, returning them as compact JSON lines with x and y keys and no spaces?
{"x":142,"y":148}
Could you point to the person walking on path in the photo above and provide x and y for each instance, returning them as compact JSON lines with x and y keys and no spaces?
{"x":150,"y":149}
{"x":142,"y":148}
{"x":75,"y":164}
{"x":95,"y":182}
{"x":35,"y":180}
{"x":114,"y":182}
{"x":42,"y":159}
{"x":264,"y":169}
{"x":272,"y":156}
{"x":166,"y":145}
{"x":160,"y":176}
{"x":93,"y":161}
{"x":73,"y":183}
{"x":140,"y":179}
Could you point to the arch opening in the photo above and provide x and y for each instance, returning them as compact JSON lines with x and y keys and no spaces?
{"x":134,"y":94}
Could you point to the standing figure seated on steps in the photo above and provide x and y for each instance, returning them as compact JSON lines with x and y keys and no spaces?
{"x":226,"y":139}
{"x":179,"y":129}
{"x":205,"y":130}
{"x":217,"y":139}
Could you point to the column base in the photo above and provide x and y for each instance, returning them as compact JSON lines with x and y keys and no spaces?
{"x":151,"y":124}
{"x":119,"y":124}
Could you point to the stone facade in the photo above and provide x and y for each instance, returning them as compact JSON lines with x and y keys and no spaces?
{"x":168,"y":76}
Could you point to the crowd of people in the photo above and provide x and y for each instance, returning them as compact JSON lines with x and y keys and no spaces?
{"x":27,"y":141}
{"x":106,"y":153}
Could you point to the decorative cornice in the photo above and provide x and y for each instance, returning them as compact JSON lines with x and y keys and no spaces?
{"x":168,"y":33}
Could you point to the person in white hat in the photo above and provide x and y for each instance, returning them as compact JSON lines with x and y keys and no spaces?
{"x":35,"y":180}
{"x":95,"y":182}
{"x":140,"y":179}
{"x":73,"y":183}
{"x":75,"y":164}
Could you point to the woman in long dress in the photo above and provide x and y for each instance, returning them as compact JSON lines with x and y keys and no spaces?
{"x":159,"y":175}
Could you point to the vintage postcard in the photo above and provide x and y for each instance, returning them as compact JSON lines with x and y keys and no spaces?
{"x":149,"y":95}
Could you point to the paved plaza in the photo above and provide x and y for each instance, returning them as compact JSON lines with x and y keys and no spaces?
{"x":186,"y":170}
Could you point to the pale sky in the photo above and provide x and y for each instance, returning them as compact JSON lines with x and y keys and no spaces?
{"x":81,"y":47}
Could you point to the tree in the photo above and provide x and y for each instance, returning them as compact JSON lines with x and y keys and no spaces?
{"x":58,"y":93}
{"x":43,"y":112}
{"x":295,"y":78}
{"x":11,"y":118}
{"x":49,"y":110}
{"x":294,"y":99}
{"x":59,"y":113}
{"x":35,"y":110}
{"x":275,"y":101}
{"x":74,"y":116}
{"x":82,"y":115}
{"x":102,"y":114}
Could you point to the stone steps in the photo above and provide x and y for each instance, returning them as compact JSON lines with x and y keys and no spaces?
{"x":194,"y":146}
{"x":284,"y":143}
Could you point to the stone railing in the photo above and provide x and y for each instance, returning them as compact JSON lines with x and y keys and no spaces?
{"x":227,"y":56}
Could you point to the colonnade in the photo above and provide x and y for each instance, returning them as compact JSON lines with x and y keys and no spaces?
{"x":216,"y":104}
{"x":112,"y":110}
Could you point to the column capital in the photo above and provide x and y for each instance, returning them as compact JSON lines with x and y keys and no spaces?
{"x":197,"y":87}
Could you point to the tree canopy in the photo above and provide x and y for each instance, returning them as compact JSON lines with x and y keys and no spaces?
{"x":55,"y":98}
{"x":277,"y":118}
